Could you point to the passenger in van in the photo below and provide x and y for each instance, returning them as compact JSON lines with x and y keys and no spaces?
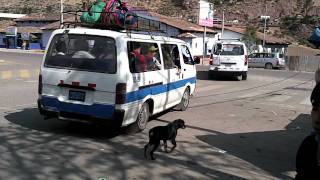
{"x":176,"y":56}
{"x":61,"y":48}
{"x":153,"y":63}
{"x":138,"y":61}
{"x":82,"y":50}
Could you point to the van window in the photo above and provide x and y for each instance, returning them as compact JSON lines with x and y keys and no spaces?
{"x":143,"y":57}
{"x":268,"y":55}
{"x":171,"y":56}
{"x":187,"y":58}
{"x":230,"y":50}
{"x":82,"y":52}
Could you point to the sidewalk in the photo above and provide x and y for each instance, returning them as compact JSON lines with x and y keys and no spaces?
{"x":22,"y":51}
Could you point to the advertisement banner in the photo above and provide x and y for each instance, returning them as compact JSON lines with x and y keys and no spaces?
{"x":206,"y":14}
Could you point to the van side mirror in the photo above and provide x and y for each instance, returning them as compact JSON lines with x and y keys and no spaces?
{"x":196,"y":60}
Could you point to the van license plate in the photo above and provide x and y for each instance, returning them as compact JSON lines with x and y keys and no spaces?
{"x":77,"y":96}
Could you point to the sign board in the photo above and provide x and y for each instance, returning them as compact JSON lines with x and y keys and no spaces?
{"x":206,"y":14}
{"x":11,"y":31}
{"x":25,"y":36}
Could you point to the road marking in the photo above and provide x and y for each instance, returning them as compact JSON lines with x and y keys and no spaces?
{"x":6,"y":75}
{"x":24,"y":74}
{"x":2,"y":61}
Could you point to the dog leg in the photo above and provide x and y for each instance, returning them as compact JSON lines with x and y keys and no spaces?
{"x":156,"y":145}
{"x":165,"y":146}
{"x":173,"y":141}
{"x":146,"y":148}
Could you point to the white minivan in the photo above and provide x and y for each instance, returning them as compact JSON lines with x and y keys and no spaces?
{"x":229,"y":58}
{"x":114,"y":77}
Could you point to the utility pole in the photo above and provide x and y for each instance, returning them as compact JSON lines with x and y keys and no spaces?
{"x":61,"y":13}
{"x":222,"y":31}
{"x":265,"y":27}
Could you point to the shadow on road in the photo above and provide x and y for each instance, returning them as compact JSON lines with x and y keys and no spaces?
{"x":272,"y":151}
{"x":33,"y":148}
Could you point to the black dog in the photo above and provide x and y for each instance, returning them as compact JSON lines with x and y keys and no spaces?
{"x":163,"y":133}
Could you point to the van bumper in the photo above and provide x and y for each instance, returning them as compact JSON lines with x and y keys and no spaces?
{"x":226,"y":73}
{"x":51,"y":112}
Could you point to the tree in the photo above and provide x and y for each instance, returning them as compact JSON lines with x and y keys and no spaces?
{"x":250,"y":37}
{"x":308,"y":4}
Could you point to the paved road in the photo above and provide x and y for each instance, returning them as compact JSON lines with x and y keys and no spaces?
{"x":235,"y":130}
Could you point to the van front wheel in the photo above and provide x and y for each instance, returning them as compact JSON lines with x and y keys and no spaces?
{"x":142,"y":119}
{"x":184,"y":101}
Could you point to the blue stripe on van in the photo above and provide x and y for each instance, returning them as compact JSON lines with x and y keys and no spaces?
{"x":154,"y":90}
{"x":106,"y":111}
{"x":95,"y":110}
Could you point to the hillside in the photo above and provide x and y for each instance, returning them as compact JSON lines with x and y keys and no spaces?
{"x":245,"y":12}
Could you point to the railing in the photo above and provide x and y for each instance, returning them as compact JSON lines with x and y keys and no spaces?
{"x":143,"y":23}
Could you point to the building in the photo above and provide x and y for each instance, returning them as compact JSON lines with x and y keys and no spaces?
{"x":272,"y":44}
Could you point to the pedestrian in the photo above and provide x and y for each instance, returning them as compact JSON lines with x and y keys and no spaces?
{"x":308,"y":156}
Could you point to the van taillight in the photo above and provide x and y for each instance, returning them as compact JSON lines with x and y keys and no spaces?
{"x":278,"y":62}
{"x":246,"y":60}
{"x":121,"y":90}
{"x":40,"y":84}
{"x":211,"y":61}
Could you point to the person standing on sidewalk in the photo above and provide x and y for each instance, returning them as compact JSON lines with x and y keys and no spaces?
{"x":308,"y":156}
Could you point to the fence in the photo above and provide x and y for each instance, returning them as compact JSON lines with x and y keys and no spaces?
{"x":303,"y":63}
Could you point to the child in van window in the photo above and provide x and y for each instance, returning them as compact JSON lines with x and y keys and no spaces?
{"x":308,"y":156}
{"x":138,"y":61}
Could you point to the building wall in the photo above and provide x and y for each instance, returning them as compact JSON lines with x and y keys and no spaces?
{"x":46,"y":34}
{"x":32,"y":24}
{"x":1,"y":40}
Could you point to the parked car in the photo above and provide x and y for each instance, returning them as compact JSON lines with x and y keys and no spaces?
{"x":229,"y":58}
{"x":266,"y":60}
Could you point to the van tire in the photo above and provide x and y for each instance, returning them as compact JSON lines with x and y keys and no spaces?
{"x":268,"y":66}
{"x":142,"y":119}
{"x":244,"y":76}
{"x":183,"y":105}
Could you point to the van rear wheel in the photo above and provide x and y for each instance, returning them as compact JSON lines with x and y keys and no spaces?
{"x":142,"y":119}
{"x":184,"y":100}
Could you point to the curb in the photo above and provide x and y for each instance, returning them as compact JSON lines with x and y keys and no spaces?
{"x":22,"y":51}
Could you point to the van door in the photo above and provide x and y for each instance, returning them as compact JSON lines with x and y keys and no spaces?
{"x":172,"y":73}
{"x":146,"y":70}
{"x":188,"y":68}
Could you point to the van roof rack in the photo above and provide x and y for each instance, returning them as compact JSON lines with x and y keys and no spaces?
{"x":147,"y":25}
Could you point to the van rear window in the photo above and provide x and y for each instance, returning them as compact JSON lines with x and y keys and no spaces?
{"x":229,"y":49}
{"x":82,"y":52}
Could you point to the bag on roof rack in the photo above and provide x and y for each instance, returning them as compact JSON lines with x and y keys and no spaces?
{"x":94,"y":13}
{"x":116,"y":13}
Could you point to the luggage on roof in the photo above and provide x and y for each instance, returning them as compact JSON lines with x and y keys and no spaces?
{"x":94,"y":13}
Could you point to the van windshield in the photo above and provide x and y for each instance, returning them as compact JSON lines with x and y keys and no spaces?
{"x":82,"y":52}
{"x":229,"y":49}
